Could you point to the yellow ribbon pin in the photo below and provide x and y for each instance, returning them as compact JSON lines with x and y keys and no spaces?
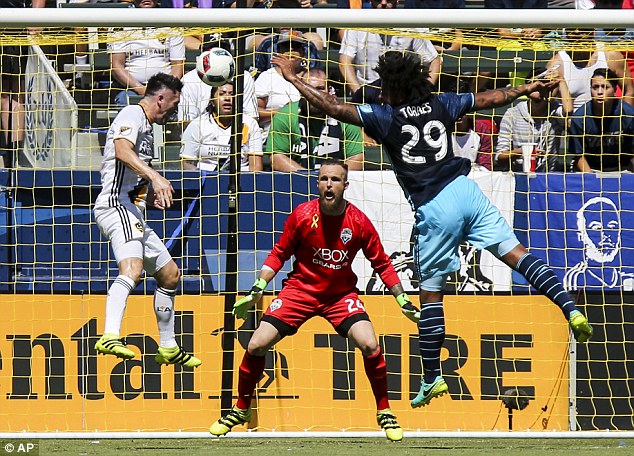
{"x":315,"y":221}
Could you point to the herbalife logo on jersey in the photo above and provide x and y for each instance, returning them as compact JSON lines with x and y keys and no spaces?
{"x":346,"y":235}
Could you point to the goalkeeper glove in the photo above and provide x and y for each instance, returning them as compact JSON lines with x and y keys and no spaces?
{"x":408,"y":309}
{"x":241,"y":308}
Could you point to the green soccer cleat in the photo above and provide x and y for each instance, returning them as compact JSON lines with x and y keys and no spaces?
{"x":581,"y":329}
{"x":429,"y":391}
{"x":176,"y":355}
{"x":387,"y":421}
{"x":110,"y":344}
{"x":234,"y":417}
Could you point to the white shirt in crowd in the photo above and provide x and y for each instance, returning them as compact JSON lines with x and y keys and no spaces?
{"x":279,"y":91}
{"x":466,"y":145}
{"x":209,"y":143}
{"x":146,"y":56}
{"x":195,"y":96}
{"x":365,"y":48}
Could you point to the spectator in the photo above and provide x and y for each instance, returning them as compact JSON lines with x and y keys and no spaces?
{"x":529,"y":121}
{"x":12,"y":66}
{"x":629,"y":55}
{"x":360,"y":51}
{"x":195,"y":94}
{"x":602,"y":130}
{"x":575,"y":68}
{"x":271,"y":89}
{"x":435,"y":4}
{"x":269,"y":46}
{"x":473,"y":139}
{"x":135,"y":61}
{"x":516,"y":4}
{"x":302,"y":136}
{"x":207,"y":139}
{"x":201,"y":4}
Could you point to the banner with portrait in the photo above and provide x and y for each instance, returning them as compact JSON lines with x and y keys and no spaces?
{"x":582,"y":225}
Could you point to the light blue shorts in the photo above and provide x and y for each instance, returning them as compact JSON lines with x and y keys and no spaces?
{"x":460,"y":212}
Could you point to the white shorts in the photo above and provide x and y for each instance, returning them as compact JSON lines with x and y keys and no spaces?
{"x":131,"y":237}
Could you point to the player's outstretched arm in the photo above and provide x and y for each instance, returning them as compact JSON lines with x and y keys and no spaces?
{"x":330,"y":104}
{"x":501,"y":97}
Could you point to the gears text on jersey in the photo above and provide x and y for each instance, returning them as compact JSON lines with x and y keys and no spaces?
{"x":332,"y":259}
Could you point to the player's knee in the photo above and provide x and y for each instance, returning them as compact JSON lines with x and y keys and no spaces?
{"x":368,"y":347}
{"x":173,"y":279}
{"x":257,"y":349}
{"x":131,"y":269}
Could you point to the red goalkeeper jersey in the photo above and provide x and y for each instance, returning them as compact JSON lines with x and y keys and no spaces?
{"x":324,"y":247}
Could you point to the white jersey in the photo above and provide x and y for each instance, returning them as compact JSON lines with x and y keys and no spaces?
{"x":195,"y":96}
{"x":120,"y":186}
{"x":145,"y":56}
{"x":466,"y":145}
{"x":578,"y":78}
{"x":278,"y":92}
{"x":365,"y":48}
{"x":209,"y":143}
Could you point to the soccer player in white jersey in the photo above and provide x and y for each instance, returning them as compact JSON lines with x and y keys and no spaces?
{"x":126,"y":173}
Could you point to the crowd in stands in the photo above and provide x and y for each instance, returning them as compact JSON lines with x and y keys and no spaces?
{"x":586,"y":125}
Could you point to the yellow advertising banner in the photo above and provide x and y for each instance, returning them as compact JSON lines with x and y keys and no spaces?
{"x":51,"y":378}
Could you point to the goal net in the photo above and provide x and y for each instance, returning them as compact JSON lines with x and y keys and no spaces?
{"x":508,"y":357}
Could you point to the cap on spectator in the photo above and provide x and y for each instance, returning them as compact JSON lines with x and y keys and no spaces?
{"x":292,"y":39}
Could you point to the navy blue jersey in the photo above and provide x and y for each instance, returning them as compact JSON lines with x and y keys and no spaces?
{"x":417,"y":138}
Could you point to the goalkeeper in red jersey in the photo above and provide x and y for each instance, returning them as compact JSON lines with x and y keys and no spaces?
{"x":324,"y":235}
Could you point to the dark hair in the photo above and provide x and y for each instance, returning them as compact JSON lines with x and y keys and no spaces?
{"x":214,"y":90}
{"x":403,"y":76}
{"x":217,"y":41}
{"x":609,"y":76}
{"x":336,"y":162}
{"x":163,"y":81}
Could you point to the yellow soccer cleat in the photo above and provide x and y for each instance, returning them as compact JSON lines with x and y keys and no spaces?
{"x":581,"y":329}
{"x":110,"y":344}
{"x":176,"y":355}
{"x":429,"y":391}
{"x":233,"y":418}
{"x":388,"y":422}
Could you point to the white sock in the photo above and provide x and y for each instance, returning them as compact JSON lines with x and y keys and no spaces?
{"x":164,"y":310}
{"x":115,"y":303}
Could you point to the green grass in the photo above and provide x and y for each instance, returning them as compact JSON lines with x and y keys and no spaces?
{"x":339,"y":447}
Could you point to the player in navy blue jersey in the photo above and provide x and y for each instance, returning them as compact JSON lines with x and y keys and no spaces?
{"x":415,"y":127}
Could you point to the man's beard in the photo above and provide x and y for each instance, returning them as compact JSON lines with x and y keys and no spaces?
{"x":596,"y":254}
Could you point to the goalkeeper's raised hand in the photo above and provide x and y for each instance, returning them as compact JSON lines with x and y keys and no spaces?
{"x":408,"y":309}
{"x":241,"y":307}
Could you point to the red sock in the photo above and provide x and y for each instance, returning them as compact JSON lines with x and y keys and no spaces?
{"x":249,"y":375}
{"x":376,"y":370}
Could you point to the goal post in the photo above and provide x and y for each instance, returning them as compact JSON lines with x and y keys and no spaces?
{"x":505,"y":342}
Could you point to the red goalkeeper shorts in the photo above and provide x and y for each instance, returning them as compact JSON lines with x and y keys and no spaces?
{"x":292,"y":308}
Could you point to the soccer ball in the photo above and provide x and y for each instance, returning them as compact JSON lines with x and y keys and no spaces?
{"x":215,"y":67}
